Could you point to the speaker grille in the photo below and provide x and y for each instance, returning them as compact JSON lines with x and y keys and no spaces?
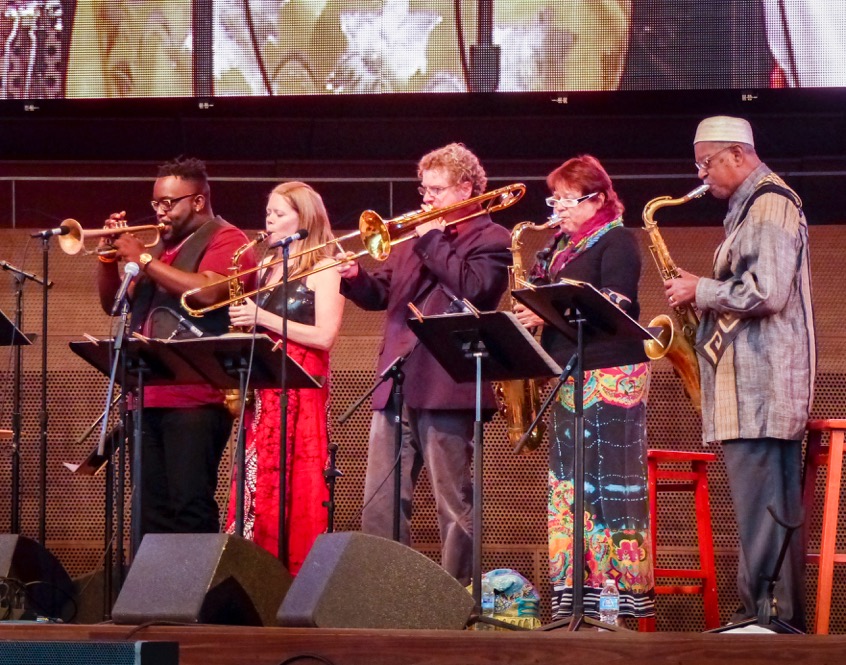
{"x":89,"y":653}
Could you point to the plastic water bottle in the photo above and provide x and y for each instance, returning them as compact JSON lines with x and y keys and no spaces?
{"x":488,"y":597}
{"x":609,"y":603}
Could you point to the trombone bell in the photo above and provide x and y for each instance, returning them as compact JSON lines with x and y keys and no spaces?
{"x":379,"y":235}
{"x":374,"y":234}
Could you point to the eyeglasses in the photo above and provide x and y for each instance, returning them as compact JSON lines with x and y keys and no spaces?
{"x":553,"y":201}
{"x":167,"y":204}
{"x":434,"y":191}
{"x":705,"y":164}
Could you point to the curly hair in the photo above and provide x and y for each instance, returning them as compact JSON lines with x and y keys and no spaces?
{"x":186,"y":168}
{"x":461,"y":164}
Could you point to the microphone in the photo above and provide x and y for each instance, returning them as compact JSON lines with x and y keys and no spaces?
{"x":185,"y":323}
{"x":456,"y":303}
{"x":130,"y":270}
{"x":5,"y":265}
{"x":617,"y":298}
{"x":58,"y":231}
{"x":302,"y":234}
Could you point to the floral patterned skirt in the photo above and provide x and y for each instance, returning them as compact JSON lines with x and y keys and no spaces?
{"x":617,"y":538}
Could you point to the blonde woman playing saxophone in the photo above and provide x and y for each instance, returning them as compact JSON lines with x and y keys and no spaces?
{"x":315,"y":307}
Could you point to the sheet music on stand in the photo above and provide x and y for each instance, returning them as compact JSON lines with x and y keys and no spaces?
{"x":601,"y":324}
{"x":198,"y":360}
{"x":513,"y":353}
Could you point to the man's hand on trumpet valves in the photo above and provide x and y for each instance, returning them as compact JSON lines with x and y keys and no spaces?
{"x":246,"y":314}
{"x":115,"y":220}
{"x":347,"y":268}
{"x":128,"y":247}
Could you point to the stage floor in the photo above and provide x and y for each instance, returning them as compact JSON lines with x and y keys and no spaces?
{"x":229,"y":645}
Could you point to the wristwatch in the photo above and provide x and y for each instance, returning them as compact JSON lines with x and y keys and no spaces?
{"x":144,"y":259}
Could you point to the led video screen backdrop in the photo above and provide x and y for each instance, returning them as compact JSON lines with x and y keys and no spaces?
{"x":84,"y":49}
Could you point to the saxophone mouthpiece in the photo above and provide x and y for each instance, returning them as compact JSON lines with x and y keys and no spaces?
{"x":696,"y":193}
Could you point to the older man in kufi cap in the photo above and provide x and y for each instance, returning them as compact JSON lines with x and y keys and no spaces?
{"x":757,"y":356}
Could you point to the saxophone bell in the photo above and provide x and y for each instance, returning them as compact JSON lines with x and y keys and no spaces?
{"x":676,"y":338}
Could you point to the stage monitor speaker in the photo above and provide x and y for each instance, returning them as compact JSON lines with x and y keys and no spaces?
{"x":202,"y":578}
{"x":354,"y":580}
{"x":32,"y":581}
{"x":89,"y":653}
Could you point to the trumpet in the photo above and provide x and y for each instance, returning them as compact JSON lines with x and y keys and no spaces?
{"x":378,"y":237}
{"x":74,"y":240}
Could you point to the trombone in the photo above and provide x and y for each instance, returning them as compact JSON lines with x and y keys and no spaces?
{"x":74,"y":240}
{"x":377,"y":235}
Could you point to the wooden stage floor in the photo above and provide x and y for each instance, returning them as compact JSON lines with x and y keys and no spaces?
{"x":229,"y":645}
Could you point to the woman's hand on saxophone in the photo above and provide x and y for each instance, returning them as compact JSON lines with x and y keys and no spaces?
{"x":526,"y":316}
{"x":246,"y":314}
{"x":681,"y":290}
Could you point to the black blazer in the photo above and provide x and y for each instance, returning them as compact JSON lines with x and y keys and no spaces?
{"x":472,"y":262}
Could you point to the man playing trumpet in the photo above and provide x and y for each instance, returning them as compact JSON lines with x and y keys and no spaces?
{"x":468,"y":260}
{"x":185,"y":427}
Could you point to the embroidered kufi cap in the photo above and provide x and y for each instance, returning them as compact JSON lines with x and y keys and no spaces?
{"x":723,"y":128}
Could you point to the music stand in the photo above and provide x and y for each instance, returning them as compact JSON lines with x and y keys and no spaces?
{"x":585,"y":317}
{"x":225,"y":362}
{"x":146,"y":364}
{"x":11,"y":336}
{"x":9,"y":333}
{"x":476,"y":347}
{"x":221,"y":362}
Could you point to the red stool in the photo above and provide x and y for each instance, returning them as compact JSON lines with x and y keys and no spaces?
{"x":816,"y":456}
{"x":696,"y":481}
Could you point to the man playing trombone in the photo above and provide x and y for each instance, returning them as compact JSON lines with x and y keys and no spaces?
{"x":186,"y":427}
{"x":468,"y":260}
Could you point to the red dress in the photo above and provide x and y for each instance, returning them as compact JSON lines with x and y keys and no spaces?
{"x":307,"y":453}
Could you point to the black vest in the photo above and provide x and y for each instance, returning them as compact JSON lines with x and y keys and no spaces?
{"x":151,"y":301}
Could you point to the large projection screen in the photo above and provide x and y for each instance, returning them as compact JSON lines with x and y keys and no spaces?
{"x":93,"y":49}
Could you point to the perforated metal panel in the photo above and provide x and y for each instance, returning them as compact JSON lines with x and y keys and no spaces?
{"x":515,"y":486}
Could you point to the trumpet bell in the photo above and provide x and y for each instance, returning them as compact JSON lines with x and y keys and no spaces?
{"x":71,"y":242}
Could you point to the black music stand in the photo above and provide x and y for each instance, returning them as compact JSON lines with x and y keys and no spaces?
{"x":146,"y":363}
{"x":221,"y":362}
{"x":585,"y":317}
{"x":10,"y":335}
{"x":226,"y":362}
{"x":476,"y":347}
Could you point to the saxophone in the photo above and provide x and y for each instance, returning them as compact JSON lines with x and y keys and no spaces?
{"x":676,"y":338}
{"x":518,"y":401}
{"x":232,"y":396}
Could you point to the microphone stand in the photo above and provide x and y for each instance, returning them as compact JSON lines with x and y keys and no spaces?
{"x":282,"y":541}
{"x":15,"y":522}
{"x":17,"y":418}
{"x":330,"y":475}
{"x":393,"y":371}
{"x":45,"y":285}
